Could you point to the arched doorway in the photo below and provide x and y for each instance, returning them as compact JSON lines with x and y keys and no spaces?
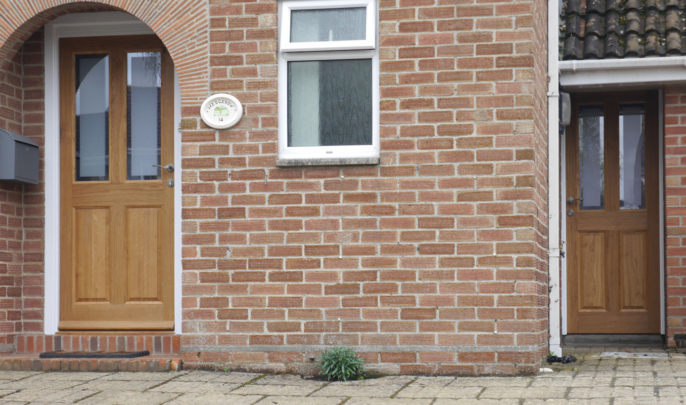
{"x":110,"y":89}
{"x":35,"y":294}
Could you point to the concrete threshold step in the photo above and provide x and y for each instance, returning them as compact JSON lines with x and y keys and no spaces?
{"x":31,"y":362}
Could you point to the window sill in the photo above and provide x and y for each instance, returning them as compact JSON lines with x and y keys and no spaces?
{"x":327,"y":161}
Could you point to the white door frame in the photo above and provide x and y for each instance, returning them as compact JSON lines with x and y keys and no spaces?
{"x":563,"y":221}
{"x":89,"y":25}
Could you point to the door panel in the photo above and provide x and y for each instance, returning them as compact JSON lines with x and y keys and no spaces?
{"x":117,"y":218}
{"x":92,"y":262}
{"x":592,"y":281}
{"x":144,"y":237}
{"x":633,"y":263}
{"x":613,"y":233}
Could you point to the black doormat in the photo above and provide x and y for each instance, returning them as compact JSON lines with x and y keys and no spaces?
{"x":92,"y":355}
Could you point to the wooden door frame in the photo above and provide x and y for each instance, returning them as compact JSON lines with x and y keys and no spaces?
{"x":562,"y":305}
{"x":90,"y":25}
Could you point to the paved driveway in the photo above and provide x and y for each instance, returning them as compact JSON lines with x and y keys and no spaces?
{"x":591,"y":381}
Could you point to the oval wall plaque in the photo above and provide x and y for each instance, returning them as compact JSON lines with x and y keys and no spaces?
{"x":221,"y":111}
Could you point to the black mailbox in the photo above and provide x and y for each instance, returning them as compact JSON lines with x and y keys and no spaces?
{"x":19,"y":158}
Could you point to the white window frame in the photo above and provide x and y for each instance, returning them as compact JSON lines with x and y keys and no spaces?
{"x":319,"y":51}
{"x":289,"y":6}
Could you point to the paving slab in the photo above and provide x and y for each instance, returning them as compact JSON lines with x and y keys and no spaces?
{"x":593,"y":380}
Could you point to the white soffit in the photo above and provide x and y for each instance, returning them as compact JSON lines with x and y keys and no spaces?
{"x":622,"y":72}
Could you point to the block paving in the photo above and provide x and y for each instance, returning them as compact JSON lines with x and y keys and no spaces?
{"x":592,"y":380}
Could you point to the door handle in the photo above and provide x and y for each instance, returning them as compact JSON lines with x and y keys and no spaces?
{"x":571,"y":200}
{"x":169,"y":167}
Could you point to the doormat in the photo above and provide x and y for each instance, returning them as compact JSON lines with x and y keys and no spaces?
{"x":60,"y":354}
{"x":627,"y":355}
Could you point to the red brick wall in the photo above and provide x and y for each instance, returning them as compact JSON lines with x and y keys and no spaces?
{"x":432,"y":262}
{"x":11,"y":209}
{"x":675,"y":214}
{"x":34,"y":199}
{"x":435,"y":249}
{"x":540,"y":282}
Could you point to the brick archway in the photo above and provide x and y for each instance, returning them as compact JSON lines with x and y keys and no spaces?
{"x":182,"y":25}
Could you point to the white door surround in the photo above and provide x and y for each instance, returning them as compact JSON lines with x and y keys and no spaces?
{"x":89,"y":25}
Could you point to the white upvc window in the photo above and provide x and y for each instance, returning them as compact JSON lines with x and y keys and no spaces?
{"x":328,"y":83}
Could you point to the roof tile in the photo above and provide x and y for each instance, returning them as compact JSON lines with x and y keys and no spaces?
{"x":596,"y":29}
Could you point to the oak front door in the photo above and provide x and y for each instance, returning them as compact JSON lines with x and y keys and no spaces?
{"x":613,"y":265}
{"x":117,"y":207}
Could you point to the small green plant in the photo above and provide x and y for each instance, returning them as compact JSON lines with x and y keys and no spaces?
{"x":341,"y":364}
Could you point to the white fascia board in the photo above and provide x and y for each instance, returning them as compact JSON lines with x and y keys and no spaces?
{"x":622,"y":72}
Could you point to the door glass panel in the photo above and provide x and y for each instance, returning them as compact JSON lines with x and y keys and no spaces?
{"x":92,"y":117}
{"x":338,"y":24}
{"x":143,"y":124}
{"x":591,"y":158}
{"x":631,"y":157}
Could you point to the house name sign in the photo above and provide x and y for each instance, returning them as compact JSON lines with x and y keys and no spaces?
{"x":221,"y":111}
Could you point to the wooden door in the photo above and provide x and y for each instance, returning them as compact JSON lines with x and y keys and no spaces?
{"x":613,"y":265}
{"x":117,"y":208}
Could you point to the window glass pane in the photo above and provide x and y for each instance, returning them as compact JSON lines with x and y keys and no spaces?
{"x":591,"y":157}
{"x":338,"y":24}
{"x":92,"y":117}
{"x":143,"y":124}
{"x":330,"y":103}
{"x":631,"y":157}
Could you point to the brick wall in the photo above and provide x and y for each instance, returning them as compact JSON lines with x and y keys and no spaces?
{"x":675,"y":214}
{"x":539,"y":282}
{"x":11,"y":209}
{"x":33,"y":84}
{"x":432,"y":262}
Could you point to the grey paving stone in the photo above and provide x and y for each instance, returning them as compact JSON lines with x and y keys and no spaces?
{"x":476,"y":402}
{"x":114,"y":385}
{"x":288,"y":379}
{"x":439,"y":392}
{"x":17,"y":375}
{"x":276,"y":390}
{"x":4,"y":393}
{"x":193,"y":386}
{"x":388,"y":401}
{"x":125,"y":376}
{"x":233,"y":378}
{"x":214,"y":398}
{"x":30,"y":383}
{"x":492,"y":382}
{"x":66,"y":396}
{"x":129,"y":398}
{"x":80,"y":376}
{"x":281,"y":400}
{"x":590,"y":382}
{"x":369,"y":391}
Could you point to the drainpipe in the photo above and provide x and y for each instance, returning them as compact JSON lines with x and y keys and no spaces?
{"x":554,"y":324}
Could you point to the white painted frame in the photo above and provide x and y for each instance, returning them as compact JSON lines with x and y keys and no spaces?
{"x":289,"y":6}
{"x":326,"y":154}
{"x":90,"y":25}
{"x":562,"y":308}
